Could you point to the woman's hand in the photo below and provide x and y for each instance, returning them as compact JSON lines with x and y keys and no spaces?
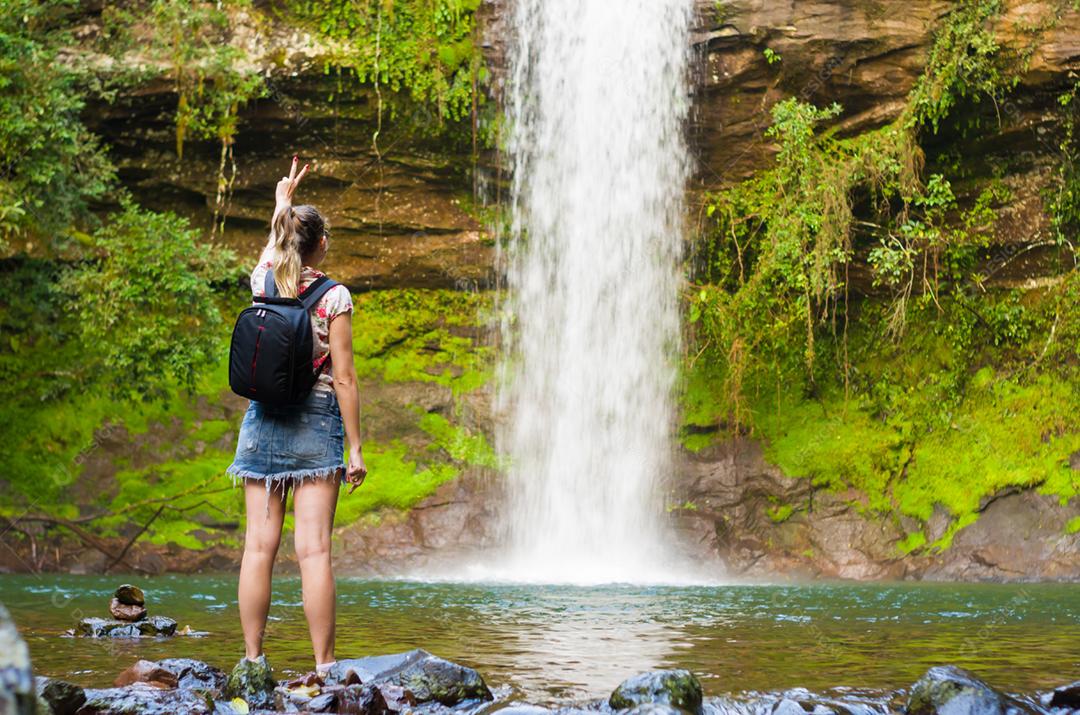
{"x":357,"y":469}
{"x":287,"y":186}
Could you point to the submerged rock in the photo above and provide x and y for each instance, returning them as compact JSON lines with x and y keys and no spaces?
{"x":677,"y":688}
{"x":143,"y":699}
{"x":62,"y":697}
{"x":252,"y":681}
{"x":948,"y":690}
{"x":106,"y":628}
{"x":17,"y":692}
{"x":427,"y":677}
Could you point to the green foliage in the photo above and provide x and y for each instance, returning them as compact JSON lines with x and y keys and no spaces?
{"x":932,"y":390}
{"x":424,"y":48}
{"x":52,"y":167}
{"x":146,"y":301}
{"x":212,"y":78}
{"x":964,"y":64}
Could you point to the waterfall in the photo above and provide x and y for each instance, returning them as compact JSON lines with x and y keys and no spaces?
{"x":596,"y":103}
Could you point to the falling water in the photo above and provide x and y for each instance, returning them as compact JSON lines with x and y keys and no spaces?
{"x":596,"y":105}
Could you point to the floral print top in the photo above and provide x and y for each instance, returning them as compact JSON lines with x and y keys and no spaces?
{"x":336,"y":301}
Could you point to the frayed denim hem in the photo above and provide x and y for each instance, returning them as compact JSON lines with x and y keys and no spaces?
{"x":292,"y":478}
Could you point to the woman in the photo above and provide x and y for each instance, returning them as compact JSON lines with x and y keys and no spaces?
{"x":300,"y":447}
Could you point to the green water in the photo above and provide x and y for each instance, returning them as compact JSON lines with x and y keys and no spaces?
{"x":552,"y":644}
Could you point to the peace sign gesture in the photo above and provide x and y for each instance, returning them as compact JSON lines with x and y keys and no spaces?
{"x":287,"y":186}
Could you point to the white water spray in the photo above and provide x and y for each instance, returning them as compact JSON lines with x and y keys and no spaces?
{"x":596,"y":108}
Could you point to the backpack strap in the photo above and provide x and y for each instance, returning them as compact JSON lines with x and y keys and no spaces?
{"x":269,"y":286}
{"x":309,"y":297}
{"x":314,"y":292}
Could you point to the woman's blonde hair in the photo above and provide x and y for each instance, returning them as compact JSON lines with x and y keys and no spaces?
{"x":295,"y":233}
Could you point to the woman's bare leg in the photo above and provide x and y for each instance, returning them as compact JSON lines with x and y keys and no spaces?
{"x":265,"y":513}
{"x":314,"y":503}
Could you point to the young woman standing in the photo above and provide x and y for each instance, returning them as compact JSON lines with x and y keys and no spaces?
{"x":299,"y":448}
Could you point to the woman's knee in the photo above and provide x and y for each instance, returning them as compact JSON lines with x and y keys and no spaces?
{"x":311,"y":546}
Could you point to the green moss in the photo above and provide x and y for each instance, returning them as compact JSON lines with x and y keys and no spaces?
{"x":394,"y":481}
{"x":912,"y":542}
{"x":201,"y":505}
{"x":462,"y":445}
{"x":780,"y":513}
{"x":1073,"y":525}
{"x":423,"y":336}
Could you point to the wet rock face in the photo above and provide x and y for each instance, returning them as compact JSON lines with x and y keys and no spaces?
{"x":1018,"y":534}
{"x":1067,"y":697}
{"x":17,"y":691}
{"x":677,"y":689}
{"x":62,"y":697}
{"x":252,"y":681}
{"x":948,"y":690}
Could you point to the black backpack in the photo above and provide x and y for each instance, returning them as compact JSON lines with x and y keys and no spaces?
{"x":270,"y":358}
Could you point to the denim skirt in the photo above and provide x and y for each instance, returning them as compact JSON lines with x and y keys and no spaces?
{"x":289,"y":444}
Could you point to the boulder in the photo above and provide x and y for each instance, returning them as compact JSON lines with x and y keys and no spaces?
{"x":1067,"y":696}
{"x":144,"y":699}
{"x":17,"y":692}
{"x":62,"y":697}
{"x":130,"y":595}
{"x":252,"y":681}
{"x":106,"y":628}
{"x":427,"y":677}
{"x":148,"y":672}
{"x":195,"y":675}
{"x":677,"y":688}
{"x":125,"y":611}
{"x":948,"y":690}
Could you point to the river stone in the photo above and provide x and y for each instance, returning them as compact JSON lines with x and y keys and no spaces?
{"x":62,"y":697}
{"x":17,"y":693}
{"x":126,"y":611}
{"x":1067,"y":696}
{"x":678,"y":688}
{"x":428,"y":677}
{"x":948,"y":690}
{"x":195,"y":674}
{"x":252,"y":681}
{"x":143,"y":699}
{"x":145,"y":671}
{"x":130,"y":595}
